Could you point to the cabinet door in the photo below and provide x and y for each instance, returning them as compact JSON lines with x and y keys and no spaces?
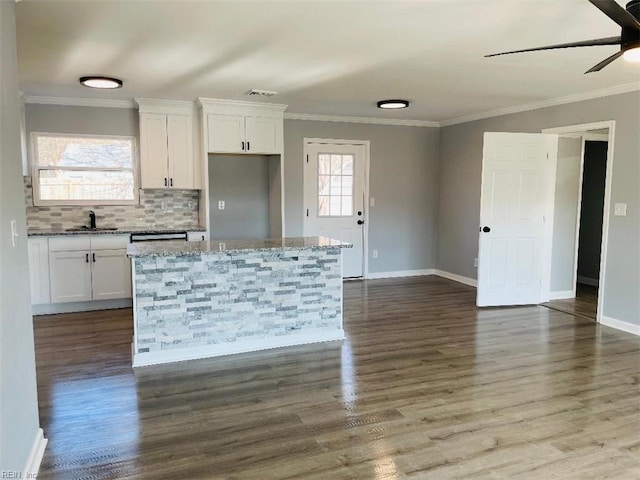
{"x":225,"y":133}
{"x":153,"y":150}
{"x":70,"y":276}
{"x":180,"y":144}
{"x":39,"y":270}
{"x":262,"y":135}
{"x":111,"y":274}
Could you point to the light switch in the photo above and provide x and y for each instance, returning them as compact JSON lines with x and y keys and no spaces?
{"x":221,"y":205}
{"x":14,"y":233}
{"x":620,"y":209}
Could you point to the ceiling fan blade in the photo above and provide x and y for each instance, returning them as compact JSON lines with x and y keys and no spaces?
{"x":605,"y":62}
{"x":616,"y":13}
{"x":585,"y":43}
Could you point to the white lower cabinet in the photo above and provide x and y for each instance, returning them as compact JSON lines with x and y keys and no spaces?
{"x":110,"y":274}
{"x":39,"y":270}
{"x":79,"y":269}
{"x":70,"y":276}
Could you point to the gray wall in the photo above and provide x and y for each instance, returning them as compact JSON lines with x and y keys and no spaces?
{"x":242,"y":181}
{"x":593,"y":187}
{"x":403,"y":181}
{"x":459,"y":191}
{"x":565,"y":214}
{"x":18,"y":396}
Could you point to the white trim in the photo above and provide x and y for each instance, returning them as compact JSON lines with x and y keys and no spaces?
{"x":167,"y":107}
{"x":70,"y":307}
{"x":562,"y":295}
{"x":365,"y":206}
{"x":400,"y":273}
{"x":595,"y":137}
{"x":550,"y":196}
{"x":79,"y":102}
{"x":365,"y":120}
{"x":605,"y":92}
{"x":457,"y":278}
{"x":581,"y":128}
{"x":588,"y":281}
{"x":620,"y":325}
{"x":32,"y":466}
{"x":207,"y":351}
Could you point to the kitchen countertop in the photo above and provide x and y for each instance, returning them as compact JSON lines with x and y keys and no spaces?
{"x":38,"y":232}
{"x":181,"y":248}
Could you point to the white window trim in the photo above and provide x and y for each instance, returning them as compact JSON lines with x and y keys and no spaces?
{"x":38,"y":202}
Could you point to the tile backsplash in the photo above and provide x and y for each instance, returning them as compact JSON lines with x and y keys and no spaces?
{"x":157,"y":208}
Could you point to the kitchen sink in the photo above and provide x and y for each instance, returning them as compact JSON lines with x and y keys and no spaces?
{"x":88,"y":229}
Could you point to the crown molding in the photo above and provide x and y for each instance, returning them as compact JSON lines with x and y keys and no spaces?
{"x":155,"y":105}
{"x":604,"y":92}
{"x":369,"y":120}
{"x":79,"y":102}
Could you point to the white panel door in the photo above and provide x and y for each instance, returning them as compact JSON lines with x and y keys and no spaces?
{"x":225,"y":133}
{"x":111,"y":274}
{"x":180,"y":146}
{"x":334,"y":182}
{"x":262,"y":134}
{"x":512,"y":224}
{"x":70,"y":276}
{"x":153,"y":150}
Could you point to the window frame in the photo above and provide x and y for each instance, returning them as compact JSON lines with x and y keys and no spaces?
{"x":35,"y":169}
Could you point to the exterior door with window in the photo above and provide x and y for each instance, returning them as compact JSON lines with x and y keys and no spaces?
{"x":334,"y":181}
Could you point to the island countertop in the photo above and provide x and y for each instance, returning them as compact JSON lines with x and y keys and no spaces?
{"x":181,"y":248}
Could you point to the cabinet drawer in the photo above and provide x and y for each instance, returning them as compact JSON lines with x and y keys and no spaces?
{"x":68,"y":243}
{"x":109,"y":242}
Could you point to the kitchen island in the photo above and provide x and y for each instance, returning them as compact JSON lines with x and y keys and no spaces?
{"x":204,"y":299}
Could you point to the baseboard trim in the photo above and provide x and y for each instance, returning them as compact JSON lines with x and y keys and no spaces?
{"x":50,"y":308}
{"x":472,"y":282}
{"x":32,"y":466}
{"x":620,"y":325}
{"x":594,"y":282}
{"x":218,"y":350}
{"x":562,"y":295}
{"x":400,"y":273}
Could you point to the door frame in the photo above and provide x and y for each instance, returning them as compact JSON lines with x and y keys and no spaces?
{"x":582,"y":130}
{"x":366,"y":204}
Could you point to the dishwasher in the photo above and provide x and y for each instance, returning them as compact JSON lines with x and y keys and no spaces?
{"x":157,"y":237}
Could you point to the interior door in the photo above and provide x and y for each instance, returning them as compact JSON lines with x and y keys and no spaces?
{"x":515,"y":191}
{"x":334,"y":198}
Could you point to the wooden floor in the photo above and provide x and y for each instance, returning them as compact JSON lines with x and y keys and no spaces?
{"x":426,"y":386}
{"x":585,"y":304}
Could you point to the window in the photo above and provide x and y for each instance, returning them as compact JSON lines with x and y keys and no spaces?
{"x":83,"y":169}
{"x":335,"y":185}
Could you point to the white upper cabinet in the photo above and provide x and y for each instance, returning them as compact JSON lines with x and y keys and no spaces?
{"x":167,"y":157}
{"x":243,"y":127}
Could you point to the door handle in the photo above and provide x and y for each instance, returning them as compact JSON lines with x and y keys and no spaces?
{"x":87,"y":257}
{"x":248,"y":146}
{"x":171,"y":182}
{"x":486,"y":229}
{"x":243,"y":146}
{"x":94,"y":257}
{"x":360,"y":222}
{"x":165,"y":181}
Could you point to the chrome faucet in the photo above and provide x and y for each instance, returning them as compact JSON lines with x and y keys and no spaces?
{"x":92,"y":219}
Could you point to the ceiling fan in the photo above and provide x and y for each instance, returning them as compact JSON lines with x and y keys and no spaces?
{"x":629,"y":39}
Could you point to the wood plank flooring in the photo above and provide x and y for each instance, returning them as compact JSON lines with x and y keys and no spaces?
{"x":584,"y":305}
{"x":426,"y":386}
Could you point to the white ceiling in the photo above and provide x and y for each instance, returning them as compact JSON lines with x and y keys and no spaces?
{"x":323,"y":57}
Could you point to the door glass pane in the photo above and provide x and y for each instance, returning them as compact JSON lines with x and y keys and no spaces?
{"x":335,"y":185}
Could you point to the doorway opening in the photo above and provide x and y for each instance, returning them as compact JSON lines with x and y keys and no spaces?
{"x":580,"y":219}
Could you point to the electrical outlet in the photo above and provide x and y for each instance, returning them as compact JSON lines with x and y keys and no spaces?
{"x":475,"y":262}
{"x":221,"y":205}
{"x":375,"y":254}
{"x":620,"y":210}
{"x":372,"y":202}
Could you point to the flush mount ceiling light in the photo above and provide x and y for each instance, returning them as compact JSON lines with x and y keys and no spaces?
{"x":632,"y":55}
{"x":101,"y":82}
{"x":393,"y":104}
